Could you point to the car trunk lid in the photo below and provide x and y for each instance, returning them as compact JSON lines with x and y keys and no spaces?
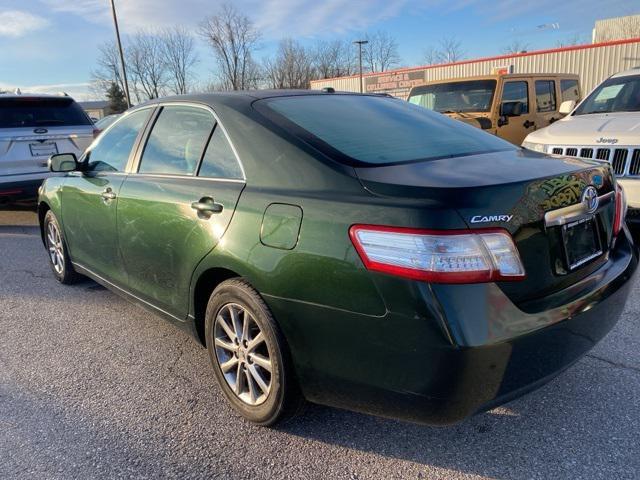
{"x":513,"y":190}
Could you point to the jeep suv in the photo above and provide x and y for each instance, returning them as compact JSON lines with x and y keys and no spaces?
{"x":32,"y":128}
{"x":604,"y":127}
{"x":507,"y":105}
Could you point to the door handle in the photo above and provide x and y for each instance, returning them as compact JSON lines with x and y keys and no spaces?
{"x":207,"y":205}
{"x":108,"y":194}
{"x":528,"y":124}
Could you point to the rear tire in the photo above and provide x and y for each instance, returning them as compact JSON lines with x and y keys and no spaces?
{"x":249,"y":354}
{"x":59,"y":260}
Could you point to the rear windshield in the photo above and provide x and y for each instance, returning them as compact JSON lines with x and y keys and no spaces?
{"x":369,"y":130}
{"x":41,"y":112}
{"x":456,"y":97}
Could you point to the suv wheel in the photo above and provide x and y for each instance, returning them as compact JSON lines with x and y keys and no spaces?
{"x":57,"y":250}
{"x":249,"y":354}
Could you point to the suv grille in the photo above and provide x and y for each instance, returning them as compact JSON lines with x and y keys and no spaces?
{"x":625,"y":161}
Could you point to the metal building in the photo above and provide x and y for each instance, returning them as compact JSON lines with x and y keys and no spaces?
{"x":593,"y":62}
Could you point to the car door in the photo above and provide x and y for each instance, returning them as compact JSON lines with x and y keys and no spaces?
{"x":177,"y":205}
{"x":90,"y":198}
{"x":515,"y":129}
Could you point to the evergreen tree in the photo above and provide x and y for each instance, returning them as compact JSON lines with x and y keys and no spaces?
{"x":117,"y":100}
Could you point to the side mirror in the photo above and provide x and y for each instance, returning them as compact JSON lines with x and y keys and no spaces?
{"x":567,"y":107}
{"x":511,"y":109}
{"x":63,"y":162}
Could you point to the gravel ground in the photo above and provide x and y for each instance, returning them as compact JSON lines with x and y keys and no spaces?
{"x":93,"y":387}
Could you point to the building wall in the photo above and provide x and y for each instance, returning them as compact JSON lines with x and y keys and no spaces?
{"x":616,"y":28}
{"x":593,"y":62}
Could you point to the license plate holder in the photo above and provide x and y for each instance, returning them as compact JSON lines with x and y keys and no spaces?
{"x":43,"y":149}
{"x":581,"y":241}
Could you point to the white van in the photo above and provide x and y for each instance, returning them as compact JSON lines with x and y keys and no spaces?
{"x":605,"y":126}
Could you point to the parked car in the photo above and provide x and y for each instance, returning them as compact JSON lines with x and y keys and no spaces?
{"x":509,"y":106}
{"x":32,"y":128}
{"x":605,"y":127}
{"x":353,"y":250}
{"x":104,"y":122}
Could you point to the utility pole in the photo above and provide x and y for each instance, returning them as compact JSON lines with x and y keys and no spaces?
{"x":124,"y":70}
{"x":360,"y":43}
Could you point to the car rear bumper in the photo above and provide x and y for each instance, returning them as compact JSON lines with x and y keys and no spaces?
{"x":468,"y":351}
{"x":21,"y":187}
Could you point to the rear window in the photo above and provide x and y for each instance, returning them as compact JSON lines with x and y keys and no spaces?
{"x":41,"y":112}
{"x":368,"y":130}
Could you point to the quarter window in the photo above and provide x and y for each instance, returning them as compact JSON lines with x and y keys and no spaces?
{"x":219,"y":160}
{"x":177,"y":141}
{"x":546,"y":95}
{"x":111,"y":153}
{"x":516,"y":92}
{"x":570,"y":90}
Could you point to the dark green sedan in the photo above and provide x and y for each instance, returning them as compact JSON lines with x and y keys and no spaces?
{"x":352,"y":250}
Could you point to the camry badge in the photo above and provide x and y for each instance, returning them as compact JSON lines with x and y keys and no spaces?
{"x":40,"y":130}
{"x":491,"y":218}
{"x":590,"y":199}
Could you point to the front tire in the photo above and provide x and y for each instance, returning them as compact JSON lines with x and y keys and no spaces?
{"x":59,"y":260}
{"x":249,"y":355}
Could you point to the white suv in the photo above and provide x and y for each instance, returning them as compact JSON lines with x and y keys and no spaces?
{"x":32,"y":128}
{"x":605,"y":126}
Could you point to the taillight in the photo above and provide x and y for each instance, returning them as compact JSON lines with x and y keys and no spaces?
{"x":96,"y":132}
{"x":621,"y":210}
{"x":439,"y":256}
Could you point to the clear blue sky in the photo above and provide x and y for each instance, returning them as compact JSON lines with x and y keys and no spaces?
{"x":51,"y":44}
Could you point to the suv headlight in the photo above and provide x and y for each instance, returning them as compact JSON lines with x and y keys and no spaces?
{"x":536,"y":147}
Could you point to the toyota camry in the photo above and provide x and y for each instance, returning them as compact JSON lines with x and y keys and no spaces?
{"x":351,"y":250}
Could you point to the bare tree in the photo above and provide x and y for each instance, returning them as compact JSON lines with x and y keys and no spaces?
{"x":146,"y":62}
{"x":450,"y":50}
{"x":575,"y":39}
{"x":108,"y":70}
{"x":333,"y":59}
{"x":178,"y":50}
{"x":381,"y":53}
{"x":516,"y":46}
{"x":430,"y":56}
{"x":292,"y":67}
{"x":234,"y":39}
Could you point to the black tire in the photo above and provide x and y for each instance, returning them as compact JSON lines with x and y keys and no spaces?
{"x":284,"y":398}
{"x":62,"y":268}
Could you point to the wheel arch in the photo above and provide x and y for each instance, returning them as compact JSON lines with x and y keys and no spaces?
{"x":43,"y":208}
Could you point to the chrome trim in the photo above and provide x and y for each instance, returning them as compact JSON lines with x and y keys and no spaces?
{"x":186,"y":177}
{"x":126,"y":292}
{"x":631,"y":149}
{"x":574,"y":213}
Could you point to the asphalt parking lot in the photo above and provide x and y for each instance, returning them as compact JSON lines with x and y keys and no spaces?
{"x":94,"y":387}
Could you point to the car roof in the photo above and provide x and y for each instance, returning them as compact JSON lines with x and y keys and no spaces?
{"x":627,"y":73}
{"x":47,"y":96}
{"x":249,"y":96}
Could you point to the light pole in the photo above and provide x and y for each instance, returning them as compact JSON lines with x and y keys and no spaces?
{"x":360,"y":43}
{"x":124,"y":70}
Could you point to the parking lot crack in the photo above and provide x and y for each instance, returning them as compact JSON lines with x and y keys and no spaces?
{"x":614,"y":364}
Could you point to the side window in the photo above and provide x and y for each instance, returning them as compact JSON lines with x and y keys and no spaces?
{"x":177,"y":141}
{"x":219,"y":160}
{"x":111,"y":153}
{"x":546,"y":95}
{"x":514,"y":92}
{"x":570,"y":90}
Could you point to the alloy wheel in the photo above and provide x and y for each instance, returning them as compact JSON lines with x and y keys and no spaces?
{"x":243,"y":354}
{"x":56,"y":249}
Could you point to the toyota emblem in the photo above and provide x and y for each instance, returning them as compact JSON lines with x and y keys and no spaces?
{"x":590,"y":199}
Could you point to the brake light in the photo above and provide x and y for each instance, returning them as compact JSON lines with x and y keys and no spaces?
{"x":96,"y":132}
{"x":439,"y":256}
{"x":621,"y":210}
